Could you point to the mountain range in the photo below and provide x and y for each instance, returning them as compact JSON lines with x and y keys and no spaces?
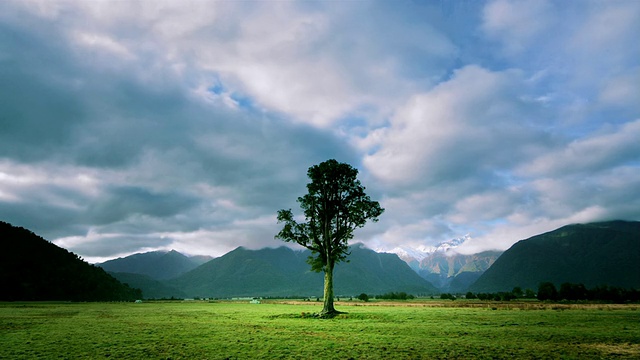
{"x":604,"y":253}
{"x":592,"y":254}
{"x":282,"y":271}
{"x":413,"y":256}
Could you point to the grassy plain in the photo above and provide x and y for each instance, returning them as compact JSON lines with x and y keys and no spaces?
{"x":239,"y":330}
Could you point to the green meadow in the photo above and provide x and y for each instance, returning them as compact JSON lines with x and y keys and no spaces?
{"x":240,"y":330}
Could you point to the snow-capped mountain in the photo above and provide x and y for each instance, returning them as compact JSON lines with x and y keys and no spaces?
{"x":410,"y":255}
{"x":443,"y":266}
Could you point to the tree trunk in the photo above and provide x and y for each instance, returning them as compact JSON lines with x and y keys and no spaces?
{"x":328,"y":308}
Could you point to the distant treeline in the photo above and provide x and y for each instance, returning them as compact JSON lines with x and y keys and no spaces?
{"x":573,"y":292}
{"x":395,"y":296}
{"x":547,"y":291}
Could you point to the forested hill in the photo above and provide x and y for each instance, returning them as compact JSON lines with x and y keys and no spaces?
{"x":604,"y":253}
{"x":32,"y":268}
{"x":285,"y":272}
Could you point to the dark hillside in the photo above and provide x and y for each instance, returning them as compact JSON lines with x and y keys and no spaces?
{"x":242,"y":272}
{"x":377,"y":273}
{"x":605,"y":253}
{"x":31,"y":268}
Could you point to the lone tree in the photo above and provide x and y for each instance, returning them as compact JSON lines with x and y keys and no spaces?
{"x":334,"y":207}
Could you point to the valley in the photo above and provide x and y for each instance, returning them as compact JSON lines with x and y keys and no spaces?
{"x":596,"y":256}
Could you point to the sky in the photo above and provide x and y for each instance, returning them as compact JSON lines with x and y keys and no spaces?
{"x":153,"y":125}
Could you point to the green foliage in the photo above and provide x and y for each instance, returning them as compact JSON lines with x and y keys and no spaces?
{"x":334,"y":206}
{"x":447,"y":296}
{"x":547,"y":291}
{"x":568,"y":292}
{"x":499,"y":296}
{"x":529,"y":294}
{"x":202,"y":330}
{"x":603,"y":293}
{"x":395,"y":296}
{"x":517,"y":292}
{"x":364,"y":297}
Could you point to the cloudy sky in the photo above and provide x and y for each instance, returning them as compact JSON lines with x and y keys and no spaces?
{"x":136,"y":126}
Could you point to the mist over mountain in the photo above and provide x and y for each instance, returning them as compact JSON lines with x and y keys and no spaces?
{"x":159,"y":265}
{"x":603,"y":253}
{"x":285,"y":272}
{"x":33,"y":269}
{"x":413,"y":256}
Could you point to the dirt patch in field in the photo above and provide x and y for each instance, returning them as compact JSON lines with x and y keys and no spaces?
{"x":625,"y":350}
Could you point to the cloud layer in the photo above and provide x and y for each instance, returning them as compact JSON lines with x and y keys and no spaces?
{"x":133,"y":126}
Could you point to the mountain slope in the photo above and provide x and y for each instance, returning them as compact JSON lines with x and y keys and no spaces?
{"x":151,"y":288}
{"x":243,"y":272}
{"x":606,"y":253}
{"x":159,"y":265}
{"x":31,"y":268}
{"x":284,"y":272}
{"x":376,"y":273}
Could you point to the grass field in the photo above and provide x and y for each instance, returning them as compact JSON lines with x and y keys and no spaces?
{"x":239,"y":330}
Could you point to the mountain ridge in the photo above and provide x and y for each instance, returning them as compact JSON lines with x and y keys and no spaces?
{"x":158,"y":265}
{"x":593,"y":254}
{"x":284,"y":272}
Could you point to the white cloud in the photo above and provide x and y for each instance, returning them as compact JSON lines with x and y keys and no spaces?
{"x":474,"y":123}
{"x":590,"y":154}
{"x":104,"y":43}
{"x":485,"y":206}
{"x":518,"y":24}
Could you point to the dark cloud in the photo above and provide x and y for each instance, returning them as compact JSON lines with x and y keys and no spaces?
{"x":109,"y":156}
{"x":122,"y":202}
{"x":38,"y":107}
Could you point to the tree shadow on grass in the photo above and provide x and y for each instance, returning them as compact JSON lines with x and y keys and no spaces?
{"x":312,"y":315}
